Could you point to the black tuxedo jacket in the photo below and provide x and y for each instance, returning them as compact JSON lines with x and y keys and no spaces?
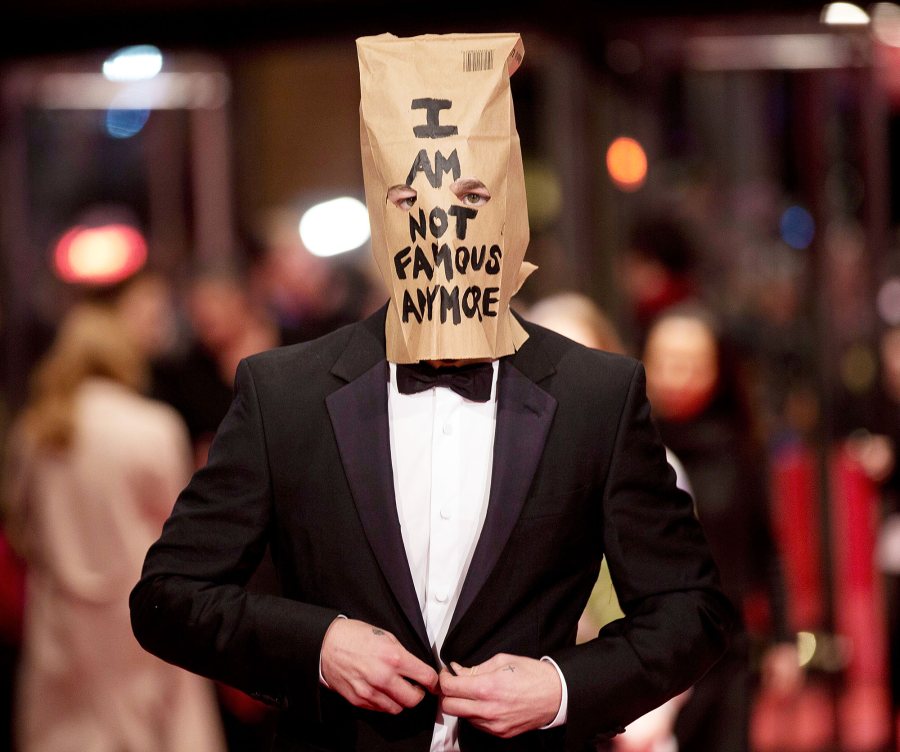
{"x":302,"y":462}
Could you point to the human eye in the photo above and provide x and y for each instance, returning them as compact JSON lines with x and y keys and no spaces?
{"x":402,"y":196}
{"x":471,"y":192}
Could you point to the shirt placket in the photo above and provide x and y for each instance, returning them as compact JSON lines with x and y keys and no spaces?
{"x":443,"y":555}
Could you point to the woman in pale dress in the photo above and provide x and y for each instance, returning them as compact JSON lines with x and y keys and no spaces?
{"x":94,"y":469}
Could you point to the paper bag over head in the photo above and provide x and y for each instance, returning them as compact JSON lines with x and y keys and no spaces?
{"x":445,"y":190}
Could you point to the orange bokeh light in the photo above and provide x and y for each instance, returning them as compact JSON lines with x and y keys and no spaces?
{"x":627,"y":163}
{"x":99,"y":255}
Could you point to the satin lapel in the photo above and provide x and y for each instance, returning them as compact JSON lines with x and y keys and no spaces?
{"x":524,"y":414}
{"x":359,"y":416}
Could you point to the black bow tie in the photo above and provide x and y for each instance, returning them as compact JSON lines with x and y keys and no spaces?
{"x":472,"y":381}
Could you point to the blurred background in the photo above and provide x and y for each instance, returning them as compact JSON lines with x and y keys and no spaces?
{"x":194,"y":168}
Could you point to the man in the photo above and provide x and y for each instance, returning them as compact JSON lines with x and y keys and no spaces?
{"x":438,"y":528}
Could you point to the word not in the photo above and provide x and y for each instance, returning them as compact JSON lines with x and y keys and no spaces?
{"x":438,"y":222}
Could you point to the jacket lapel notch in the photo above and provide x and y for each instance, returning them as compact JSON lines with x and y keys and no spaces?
{"x":364,"y":349}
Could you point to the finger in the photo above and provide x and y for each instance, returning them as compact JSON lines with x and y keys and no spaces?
{"x":466,"y":686}
{"x":459,"y":670}
{"x":453,"y":684}
{"x":464,"y":671}
{"x":419,"y":671}
{"x":463,"y":708}
{"x":445,"y":676}
{"x":402,"y":692}
{"x":373,"y":699}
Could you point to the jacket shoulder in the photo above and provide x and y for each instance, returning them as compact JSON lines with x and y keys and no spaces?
{"x":570,"y":358}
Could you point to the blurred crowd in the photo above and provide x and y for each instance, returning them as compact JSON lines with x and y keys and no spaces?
{"x":121,"y":408}
{"x":123,"y":403}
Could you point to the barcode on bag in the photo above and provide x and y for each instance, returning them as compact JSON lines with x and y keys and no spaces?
{"x":478,"y":60}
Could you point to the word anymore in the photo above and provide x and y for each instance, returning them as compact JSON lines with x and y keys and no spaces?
{"x":472,"y":302}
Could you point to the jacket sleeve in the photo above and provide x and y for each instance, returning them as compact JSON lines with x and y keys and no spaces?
{"x":677,"y":620}
{"x":191,"y":607}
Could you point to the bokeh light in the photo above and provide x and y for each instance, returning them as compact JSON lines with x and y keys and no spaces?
{"x":797,"y":227}
{"x":888,"y":301}
{"x":806,"y":647}
{"x":544,"y":194}
{"x":626,"y":162}
{"x":859,"y":368}
{"x":335,"y":226}
{"x":99,"y":255}
{"x":126,"y":123}
{"x":843,"y":14}
{"x":886,"y":23}
{"x":138,"y":63}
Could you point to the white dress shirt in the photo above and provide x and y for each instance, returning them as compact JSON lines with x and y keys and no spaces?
{"x":442,"y":448}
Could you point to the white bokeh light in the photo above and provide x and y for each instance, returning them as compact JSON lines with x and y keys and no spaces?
{"x":138,"y":63}
{"x":335,"y":226}
{"x":844,"y":14}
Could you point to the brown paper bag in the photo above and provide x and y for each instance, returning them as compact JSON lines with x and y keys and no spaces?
{"x":445,"y":191}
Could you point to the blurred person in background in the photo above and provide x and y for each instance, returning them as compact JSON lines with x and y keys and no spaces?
{"x":777,"y":347}
{"x":308,"y":296}
{"x":145,"y":304}
{"x":658,"y":270}
{"x":579,"y":318}
{"x":699,"y":406}
{"x":92,"y":470}
{"x":875,"y":446}
{"x":227,"y":324}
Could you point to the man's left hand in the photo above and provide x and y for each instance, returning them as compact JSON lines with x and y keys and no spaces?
{"x":505,"y":696}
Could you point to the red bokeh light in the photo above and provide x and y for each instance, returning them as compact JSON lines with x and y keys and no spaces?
{"x":99,"y":255}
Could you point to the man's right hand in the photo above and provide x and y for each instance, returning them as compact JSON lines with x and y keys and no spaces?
{"x":369,"y":668}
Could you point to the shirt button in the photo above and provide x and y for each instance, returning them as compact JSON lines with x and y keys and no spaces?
{"x":447,"y":429}
{"x":441,"y":596}
{"x":445,"y":513}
